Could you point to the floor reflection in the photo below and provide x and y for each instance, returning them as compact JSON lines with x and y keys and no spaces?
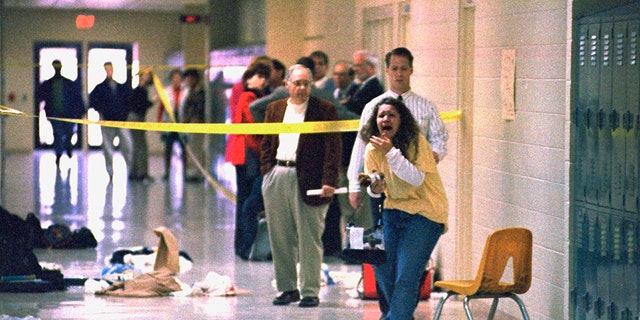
{"x":123,"y":213}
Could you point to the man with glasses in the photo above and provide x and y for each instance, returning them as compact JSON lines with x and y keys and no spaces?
{"x":292,"y":164}
{"x":364,"y":65}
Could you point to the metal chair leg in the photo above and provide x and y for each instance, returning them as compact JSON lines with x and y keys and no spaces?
{"x":494,"y":306}
{"x":523,"y":309}
{"x":436,"y":316}
{"x":467,"y":310}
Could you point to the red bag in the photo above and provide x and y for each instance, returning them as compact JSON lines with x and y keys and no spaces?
{"x":368,"y":283}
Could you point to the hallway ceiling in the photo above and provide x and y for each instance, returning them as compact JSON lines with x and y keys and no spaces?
{"x":146,"y":5}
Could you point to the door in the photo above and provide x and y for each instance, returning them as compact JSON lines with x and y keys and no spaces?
{"x":604,"y":241}
{"x":44,"y":53}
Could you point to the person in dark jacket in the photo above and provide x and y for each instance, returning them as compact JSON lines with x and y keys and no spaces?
{"x":62,"y":99}
{"x":110,"y":100}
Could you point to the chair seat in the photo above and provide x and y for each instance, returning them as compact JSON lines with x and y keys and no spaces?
{"x":463,"y":287}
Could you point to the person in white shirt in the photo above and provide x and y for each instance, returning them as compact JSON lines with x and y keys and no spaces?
{"x":399,"y":68}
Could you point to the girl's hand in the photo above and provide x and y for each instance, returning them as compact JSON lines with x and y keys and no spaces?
{"x":381,"y":144}
{"x":377,"y":186}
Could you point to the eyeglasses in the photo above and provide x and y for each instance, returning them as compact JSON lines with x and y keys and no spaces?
{"x":301,"y":83}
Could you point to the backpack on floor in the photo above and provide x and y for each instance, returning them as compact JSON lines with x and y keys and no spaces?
{"x":261,"y":247}
{"x":20,"y":270}
{"x":16,"y":246}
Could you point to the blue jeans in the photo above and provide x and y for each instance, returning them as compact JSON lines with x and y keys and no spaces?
{"x":409,"y":240}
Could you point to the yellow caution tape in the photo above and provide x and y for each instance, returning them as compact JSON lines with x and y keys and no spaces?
{"x":232,"y":128}
{"x":164,"y":98}
{"x":224,"y":128}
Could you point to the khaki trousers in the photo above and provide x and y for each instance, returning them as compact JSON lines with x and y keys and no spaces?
{"x":295,"y":232}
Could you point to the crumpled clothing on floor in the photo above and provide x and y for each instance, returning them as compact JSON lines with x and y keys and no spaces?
{"x":157,"y":283}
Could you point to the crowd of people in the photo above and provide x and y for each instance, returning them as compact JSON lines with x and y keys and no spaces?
{"x":401,"y":135}
{"x":115,"y":101}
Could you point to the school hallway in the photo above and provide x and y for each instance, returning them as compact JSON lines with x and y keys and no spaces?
{"x":123,"y":214}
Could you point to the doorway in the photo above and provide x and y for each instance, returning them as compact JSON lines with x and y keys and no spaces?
{"x":44,"y":53}
{"x":71,"y":55}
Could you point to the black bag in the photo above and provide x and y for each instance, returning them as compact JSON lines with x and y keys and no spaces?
{"x":16,"y":246}
{"x":261,"y":247}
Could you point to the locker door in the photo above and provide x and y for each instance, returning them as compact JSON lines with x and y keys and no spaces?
{"x":618,"y":108}
{"x":630,"y":124}
{"x":579,"y":118}
{"x":593,"y":105}
{"x":603,"y":273}
{"x":603,"y":112}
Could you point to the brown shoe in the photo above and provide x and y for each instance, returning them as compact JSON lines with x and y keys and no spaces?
{"x":286,"y":298}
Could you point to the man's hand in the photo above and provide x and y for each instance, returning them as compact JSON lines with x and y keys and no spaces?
{"x":355,"y":199}
{"x":327,"y":191}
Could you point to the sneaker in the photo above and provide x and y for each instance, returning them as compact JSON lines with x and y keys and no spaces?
{"x":286,"y":298}
{"x":308,"y":302}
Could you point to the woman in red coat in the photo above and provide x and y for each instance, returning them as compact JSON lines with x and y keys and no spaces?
{"x":243,"y":151}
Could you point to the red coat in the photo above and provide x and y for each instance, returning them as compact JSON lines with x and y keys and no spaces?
{"x":236,"y":143}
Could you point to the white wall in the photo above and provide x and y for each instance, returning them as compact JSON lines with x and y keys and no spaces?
{"x":519,"y":174}
{"x":519,"y":171}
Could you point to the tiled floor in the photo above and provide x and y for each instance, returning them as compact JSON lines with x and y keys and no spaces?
{"x":122,"y":213}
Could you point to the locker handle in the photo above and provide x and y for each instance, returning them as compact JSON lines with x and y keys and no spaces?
{"x":598,"y":307}
{"x":576,"y":116}
{"x":627,"y":121}
{"x":600,"y":119}
{"x":614,"y":120}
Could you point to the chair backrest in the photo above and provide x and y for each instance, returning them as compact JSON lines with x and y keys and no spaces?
{"x":502,"y":245}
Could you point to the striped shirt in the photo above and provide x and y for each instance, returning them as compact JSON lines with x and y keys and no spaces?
{"x":429,"y":122}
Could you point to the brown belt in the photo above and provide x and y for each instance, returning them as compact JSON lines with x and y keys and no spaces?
{"x":286,"y":163}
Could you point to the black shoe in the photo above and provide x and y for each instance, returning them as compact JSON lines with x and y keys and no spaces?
{"x":308,"y":302}
{"x":287,"y":297}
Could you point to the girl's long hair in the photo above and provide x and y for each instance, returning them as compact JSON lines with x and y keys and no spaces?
{"x":408,"y":131}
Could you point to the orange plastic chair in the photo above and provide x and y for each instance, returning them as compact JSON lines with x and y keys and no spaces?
{"x":502,"y":245}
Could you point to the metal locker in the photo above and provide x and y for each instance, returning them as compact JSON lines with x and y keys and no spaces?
{"x":618,"y":108}
{"x":618,"y":293}
{"x":593,"y":105}
{"x":602,"y":114}
{"x":590,"y":268}
{"x":580,"y":253}
{"x":631,"y":120}
{"x":605,"y":217}
{"x":603,"y":273}
{"x":579,"y":118}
